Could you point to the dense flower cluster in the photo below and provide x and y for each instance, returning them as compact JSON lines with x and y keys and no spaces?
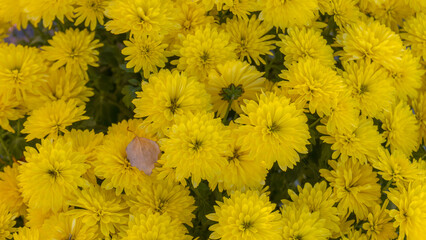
{"x":212,"y":119}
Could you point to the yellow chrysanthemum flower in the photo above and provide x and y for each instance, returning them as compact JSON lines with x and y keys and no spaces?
{"x":7,"y":221}
{"x":417,"y":5}
{"x":232,"y":83}
{"x":355,"y":235}
{"x":312,"y":85}
{"x":360,"y":142}
{"x":191,"y":15}
{"x":408,"y":76}
{"x":196,"y":147}
{"x":100,"y":208}
{"x":346,"y":227}
{"x":84,"y":142}
{"x":10,"y":109}
{"x":52,"y":118}
{"x":242,"y":171}
{"x":202,"y":51}
{"x":300,"y":223}
{"x":26,"y":233}
{"x":319,"y":200}
{"x":411,"y":213}
{"x":20,"y":69}
{"x":239,"y":8}
{"x":370,"y":40}
{"x":301,"y":43}
{"x":91,"y":12}
{"x":147,"y":226}
{"x":51,"y":174}
{"x":10,"y":193}
{"x":146,"y":52}
{"x":401,"y":129}
{"x":73,"y":49}
{"x":345,"y":12}
{"x":60,"y":85}
{"x":246,"y":216}
{"x":379,"y":225}
{"x":344,"y":114}
{"x":141,"y":17}
{"x":389,"y":12}
{"x":251,"y":38}
{"x":419,"y":107}
{"x":396,"y":167}
{"x":48,"y":10}
{"x":414,"y":34}
{"x":168,"y":94}
{"x":288,"y":13}
{"x":112,"y":163}
{"x":13,"y":11}
{"x":274,"y":130}
{"x":354,"y":185}
{"x":64,"y":226}
{"x":36,"y":216}
{"x":165,"y":198}
{"x":371,"y":87}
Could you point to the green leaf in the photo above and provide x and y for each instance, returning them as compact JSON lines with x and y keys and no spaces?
{"x":129,"y":92}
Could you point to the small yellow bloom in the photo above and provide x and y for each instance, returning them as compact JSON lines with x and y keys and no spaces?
{"x":302,"y":43}
{"x":91,"y":12}
{"x":10,"y":192}
{"x":233,"y":81}
{"x":151,"y":225}
{"x":202,"y":51}
{"x":99,"y":208}
{"x":48,"y":10}
{"x":51,"y":175}
{"x":202,"y":140}
{"x":74,"y":49}
{"x":354,"y":185}
{"x":247,"y":215}
{"x":396,"y":167}
{"x":274,"y":130}
{"x":251,"y":38}
{"x":379,"y":225}
{"x":141,"y":17}
{"x":360,"y":141}
{"x":401,"y":129}
{"x":288,"y":13}
{"x":301,"y":223}
{"x":52,"y":118}
{"x":411,"y":208}
{"x":370,"y":40}
{"x":146,"y":52}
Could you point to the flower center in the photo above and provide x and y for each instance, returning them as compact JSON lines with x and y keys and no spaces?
{"x":196,"y":145}
{"x":161,"y":205}
{"x":173,"y":105}
{"x":204,"y":57}
{"x":54,"y":173}
{"x":273,"y":128}
{"x":235,"y":155}
{"x":16,"y":76}
{"x":363,"y":89}
{"x":247,"y":224}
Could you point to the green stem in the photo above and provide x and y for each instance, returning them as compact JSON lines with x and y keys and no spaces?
{"x":4,"y":147}
{"x":228,"y":109}
{"x":387,"y":185}
{"x":314,"y":123}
